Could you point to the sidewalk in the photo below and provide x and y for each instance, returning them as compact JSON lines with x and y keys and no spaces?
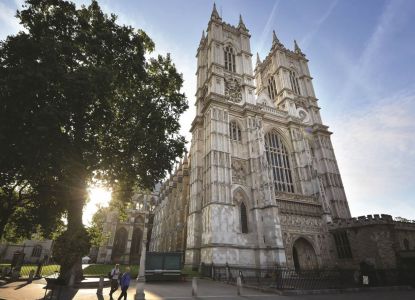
{"x":207,"y":290}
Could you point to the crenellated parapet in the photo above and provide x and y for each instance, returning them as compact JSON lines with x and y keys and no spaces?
{"x":368,"y":220}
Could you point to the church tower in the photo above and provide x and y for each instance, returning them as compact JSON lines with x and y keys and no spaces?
{"x":264,"y":180}
{"x":233,"y":217}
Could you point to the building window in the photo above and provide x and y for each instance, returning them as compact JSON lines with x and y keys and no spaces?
{"x":294,"y":83}
{"x":406,"y":244}
{"x":277,"y":156}
{"x":244,"y":218}
{"x":37,"y":251}
{"x":235,"y":132}
{"x":342,"y":245}
{"x":272,"y":90}
{"x":229,"y":59}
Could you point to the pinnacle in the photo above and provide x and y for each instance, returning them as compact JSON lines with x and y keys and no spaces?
{"x":258,"y":60}
{"x":215,"y":13}
{"x":274,"y":38}
{"x":296,"y":48}
{"x":241,"y":23}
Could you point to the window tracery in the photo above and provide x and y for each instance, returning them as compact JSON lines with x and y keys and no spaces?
{"x":277,"y":156}
{"x":229,"y":59}
{"x":294,"y":82}
{"x":235,"y":132}
{"x":272,"y":90}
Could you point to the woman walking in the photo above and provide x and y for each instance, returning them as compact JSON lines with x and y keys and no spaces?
{"x":125,"y":283}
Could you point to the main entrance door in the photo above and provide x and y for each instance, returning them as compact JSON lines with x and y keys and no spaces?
{"x":304,"y":256}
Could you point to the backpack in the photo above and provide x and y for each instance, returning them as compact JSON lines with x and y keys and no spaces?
{"x":110,"y":275}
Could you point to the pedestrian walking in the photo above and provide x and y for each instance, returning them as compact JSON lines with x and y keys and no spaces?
{"x":125,"y":283}
{"x":114,"y":276}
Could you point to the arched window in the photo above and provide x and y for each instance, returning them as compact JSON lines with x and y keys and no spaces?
{"x":244,"y":218}
{"x":277,"y":156}
{"x":272,"y":90}
{"x":37,"y":251}
{"x":120,"y":242}
{"x":406,"y":244}
{"x":229,"y":59}
{"x":235,"y":131}
{"x":294,"y":82}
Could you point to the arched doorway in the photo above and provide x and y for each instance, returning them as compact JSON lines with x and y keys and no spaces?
{"x":304,"y":256}
{"x":136,"y":246}
{"x":120,"y":241}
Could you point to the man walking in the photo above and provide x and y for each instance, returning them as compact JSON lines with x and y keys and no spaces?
{"x":125,"y":283}
{"x":114,"y":275}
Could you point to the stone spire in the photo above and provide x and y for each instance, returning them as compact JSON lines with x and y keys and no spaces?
{"x":215,"y":14}
{"x":241,"y":24}
{"x":258,"y":60}
{"x":275,"y":40}
{"x":297,"y":49}
{"x":203,"y":37}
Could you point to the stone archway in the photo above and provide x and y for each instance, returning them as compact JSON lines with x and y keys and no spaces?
{"x":120,"y":242}
{"x":304,"y":256}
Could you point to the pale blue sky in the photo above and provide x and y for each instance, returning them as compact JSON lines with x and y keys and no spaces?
{"x":362,"y":56}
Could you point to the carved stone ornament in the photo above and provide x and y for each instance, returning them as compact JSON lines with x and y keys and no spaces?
{"x":233,"y":89}
{"x":239,"y":171}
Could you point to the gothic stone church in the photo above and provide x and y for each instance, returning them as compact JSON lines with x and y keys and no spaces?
{"x":263,"y":177}
{"x":261,"y":186}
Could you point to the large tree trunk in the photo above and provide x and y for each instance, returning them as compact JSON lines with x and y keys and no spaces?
{"x":76,"y":232}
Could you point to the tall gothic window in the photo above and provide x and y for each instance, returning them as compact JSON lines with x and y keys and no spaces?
{"x":244,"y":218}
{"x":235,"y":132}
{"x":342,"y":245}
{"x":272,"y":90}
{"x":294,"y":82}
{"x":229,"y":59}
{"x":277,"y":156}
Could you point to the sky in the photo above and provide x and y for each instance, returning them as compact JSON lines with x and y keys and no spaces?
{"x":362,"y":57}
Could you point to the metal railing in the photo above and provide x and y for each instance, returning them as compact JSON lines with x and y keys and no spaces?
{"x":47,"y":270}
{"x":289,"y":279}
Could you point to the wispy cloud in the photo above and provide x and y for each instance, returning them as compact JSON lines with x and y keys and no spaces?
{"x":304,"y":42}
{"x":376,"y":153}
{"x":359,"y":72}
{"x":266,"y":33}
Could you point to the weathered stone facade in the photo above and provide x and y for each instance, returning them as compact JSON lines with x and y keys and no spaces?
{"x":263,"y":177}
{"x":170,"y":215}
{"x":124,"y":243}
{"x":261,"y":186}
{"x":376,"y":240}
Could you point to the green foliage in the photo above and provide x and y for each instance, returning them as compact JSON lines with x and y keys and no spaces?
{"x":79,"y":101}
{"x":96,"y":229}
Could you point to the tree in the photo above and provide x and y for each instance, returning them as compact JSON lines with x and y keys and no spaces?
{"x":79,"y":101}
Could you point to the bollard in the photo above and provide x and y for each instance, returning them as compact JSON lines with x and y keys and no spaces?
{"x":31,"y":274}
{"x":238,"y":285}
{"x":100,"y":285}
{"x":194,"y":287}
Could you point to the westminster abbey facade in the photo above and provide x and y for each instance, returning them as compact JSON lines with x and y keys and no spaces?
{"x":262,"y":178}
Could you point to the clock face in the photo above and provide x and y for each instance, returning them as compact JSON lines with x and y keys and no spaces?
{"x":233,"y":89}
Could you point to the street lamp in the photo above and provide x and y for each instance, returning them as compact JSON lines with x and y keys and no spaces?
{"x":141,"y":279}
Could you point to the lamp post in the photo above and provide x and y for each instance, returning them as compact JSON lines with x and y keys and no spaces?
{"x":141,"y":279}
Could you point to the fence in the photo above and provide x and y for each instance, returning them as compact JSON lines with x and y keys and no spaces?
{"x":47,"y":270}
{"x":285,"y":279}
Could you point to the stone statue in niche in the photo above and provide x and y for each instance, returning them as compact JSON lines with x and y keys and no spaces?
{"x":233,"y":89}
{"x":239,"y":171}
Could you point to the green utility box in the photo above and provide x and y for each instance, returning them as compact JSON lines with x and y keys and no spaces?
{"x":163,"y":265}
